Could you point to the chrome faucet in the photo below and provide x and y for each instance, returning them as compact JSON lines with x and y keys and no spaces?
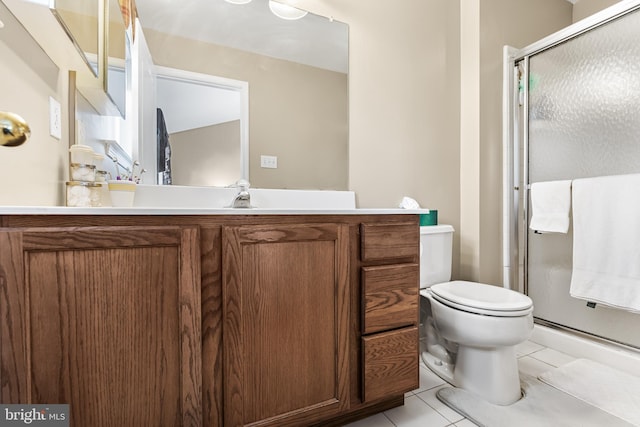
{"x":243,"y":198}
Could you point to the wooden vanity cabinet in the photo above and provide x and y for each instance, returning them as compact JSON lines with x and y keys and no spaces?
{"x":220,"y":321}
{"x":390,"y":309}
{"x":106,"y":319}
{"x":285,"y":322}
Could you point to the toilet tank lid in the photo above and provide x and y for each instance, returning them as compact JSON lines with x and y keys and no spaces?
{"x":436,"y":229}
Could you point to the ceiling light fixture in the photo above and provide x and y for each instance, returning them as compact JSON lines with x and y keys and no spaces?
{"x":238,"y":1}
{"x":285,"y":11}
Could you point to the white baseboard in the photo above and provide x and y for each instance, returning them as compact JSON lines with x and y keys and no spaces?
{"x":623,"y":359}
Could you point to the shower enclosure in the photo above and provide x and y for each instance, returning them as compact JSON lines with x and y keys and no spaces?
{"x":571,"y":110}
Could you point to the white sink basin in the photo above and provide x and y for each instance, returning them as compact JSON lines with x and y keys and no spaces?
{"x":175,"y":196}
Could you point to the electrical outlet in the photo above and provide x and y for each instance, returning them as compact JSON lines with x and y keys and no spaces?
{"x":55,"y":119}
{"x":269,"y":162}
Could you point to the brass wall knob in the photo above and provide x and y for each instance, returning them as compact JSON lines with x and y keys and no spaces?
{"x":14,"y":129}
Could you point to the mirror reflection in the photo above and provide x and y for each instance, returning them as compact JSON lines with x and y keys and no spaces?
{"x":80,"y":21}
{"x":118,"y":56}
{"x":203,"y":141}
{"x":297,"y":75}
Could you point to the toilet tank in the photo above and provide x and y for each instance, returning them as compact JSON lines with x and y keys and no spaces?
{"x":436,"y":247}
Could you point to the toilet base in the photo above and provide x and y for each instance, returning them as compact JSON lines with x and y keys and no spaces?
{"x":493,"y":377}
{"x":479,"y":351}
{"x":442,"y":369}
{"x":491,"y":373}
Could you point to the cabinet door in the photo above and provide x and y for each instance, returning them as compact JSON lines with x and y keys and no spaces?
{"x":390,"y":363}
{"x":106,"y":319}
{"x":286,"y":320}
{"x":390,"y":297}
{"x":386,"y":242}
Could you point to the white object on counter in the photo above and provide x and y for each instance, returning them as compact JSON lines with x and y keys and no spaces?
{"x":82,"y":172}
{"x":122,"y":193}
{"x":101,"y":176}
{"x":83,"y":194}
{"x":98,"y":158}
{"x":409,"y":203}
{"x":82,"y":154}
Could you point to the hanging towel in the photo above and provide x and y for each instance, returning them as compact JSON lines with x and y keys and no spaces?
{"x":550,"y":206}
{"x":606,"y":241}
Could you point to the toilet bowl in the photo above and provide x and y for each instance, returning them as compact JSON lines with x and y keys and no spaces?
{"x":478,"y":337}
{"x":471,"y":328}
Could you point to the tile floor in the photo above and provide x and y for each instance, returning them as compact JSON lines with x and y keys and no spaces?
{"x":422,"y":407}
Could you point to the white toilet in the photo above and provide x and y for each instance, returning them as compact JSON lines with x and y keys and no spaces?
{"x":471,"y":328}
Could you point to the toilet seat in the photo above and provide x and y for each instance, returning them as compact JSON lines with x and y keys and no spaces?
{"x":482,"y":299}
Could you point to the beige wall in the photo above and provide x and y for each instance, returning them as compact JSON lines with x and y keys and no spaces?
{"x":304,"y":125}
{"x":469,"y":229}
{"x":404,"y":68}
{"x":433,"y":129}
{"x":33,"y":173}
{"x":584,"y":8}
{"x":194,"y":162}
{"x":502,"y":22}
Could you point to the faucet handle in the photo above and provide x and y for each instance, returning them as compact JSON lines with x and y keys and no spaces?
{"x":243,"y":184}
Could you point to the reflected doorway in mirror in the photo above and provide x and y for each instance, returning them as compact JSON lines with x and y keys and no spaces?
{"x":206,"y":121}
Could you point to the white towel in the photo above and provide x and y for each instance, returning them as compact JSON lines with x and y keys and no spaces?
{"x":606,"y":241}
{"x":550,"y":206}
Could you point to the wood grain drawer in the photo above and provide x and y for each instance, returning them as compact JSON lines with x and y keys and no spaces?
{"x":390,"y":297}
{"x":390,"y":363}
{"x":390,"y":241}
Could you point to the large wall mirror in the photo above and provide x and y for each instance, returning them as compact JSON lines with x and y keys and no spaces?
{"x":118,"y":58}
{"x":106,"y":51}
{"x":297,"y":77}
{"x":80,"y":21}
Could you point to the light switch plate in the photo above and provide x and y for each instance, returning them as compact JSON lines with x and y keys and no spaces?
{"x":269,"y":162}
{"x":55,"y":119}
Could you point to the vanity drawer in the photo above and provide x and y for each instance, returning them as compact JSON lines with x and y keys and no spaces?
{"x":390,"y":297}
{"x":390,"y":363}
{"x":390,"y":241}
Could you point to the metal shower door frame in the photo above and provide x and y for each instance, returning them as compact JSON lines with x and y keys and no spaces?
{"x":515,"y":191}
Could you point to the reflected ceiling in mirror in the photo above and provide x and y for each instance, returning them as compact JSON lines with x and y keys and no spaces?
{"x":297,"y":74}
{"x":79,"y":18}
{"x":252,"y":27}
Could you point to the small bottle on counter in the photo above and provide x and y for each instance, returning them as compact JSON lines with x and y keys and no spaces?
{"x":82,"y":172}
{"x":102,"y":176}
{"x":83,"y":194}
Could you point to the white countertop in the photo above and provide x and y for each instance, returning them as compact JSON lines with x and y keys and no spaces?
{"x":63,"y":210}
{"x":181,"y":200}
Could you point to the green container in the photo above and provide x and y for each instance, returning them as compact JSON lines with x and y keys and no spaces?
{"x":429,"y":219}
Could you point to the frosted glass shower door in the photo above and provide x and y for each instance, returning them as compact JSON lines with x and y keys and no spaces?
{"x":584,"y":121}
